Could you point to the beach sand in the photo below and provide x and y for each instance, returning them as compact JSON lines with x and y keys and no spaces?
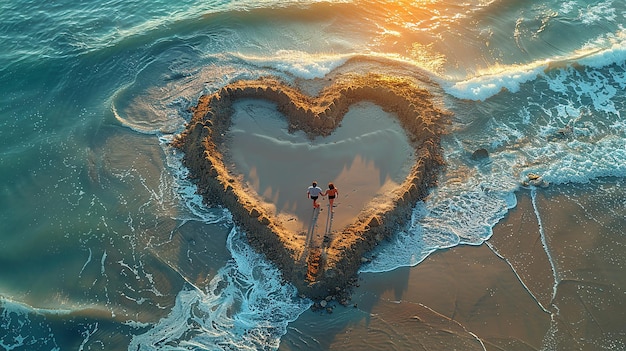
{"x":469,"y":298}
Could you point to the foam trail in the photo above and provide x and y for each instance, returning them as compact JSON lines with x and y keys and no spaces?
{"x":533,"y":195}
{"x":86,"y":263}
{"x":86,"y":334}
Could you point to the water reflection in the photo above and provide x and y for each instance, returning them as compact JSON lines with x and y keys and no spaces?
{"x":366,"y":157}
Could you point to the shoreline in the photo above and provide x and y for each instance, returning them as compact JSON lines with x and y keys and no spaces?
{"x":498,"y":295}
{"x":331,"y":268}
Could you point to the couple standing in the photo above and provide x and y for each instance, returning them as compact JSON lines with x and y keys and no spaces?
{"x":314,"y":192}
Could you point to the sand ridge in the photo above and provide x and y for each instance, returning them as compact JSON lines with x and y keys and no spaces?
{"x":327,"y":268}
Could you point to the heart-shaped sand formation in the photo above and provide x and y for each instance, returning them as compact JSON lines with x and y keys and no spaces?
{"x":322,"y":268}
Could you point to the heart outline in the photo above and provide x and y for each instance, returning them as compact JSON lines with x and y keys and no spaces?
{"x":316,"y":272}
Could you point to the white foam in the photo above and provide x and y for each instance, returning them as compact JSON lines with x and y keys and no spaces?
{"x":246,"y":307}
{"x":521,"y":280}
{"x":465,"y":214}
{"x":20,"y":308}
{"x":567,"y":7}
{"x":488,"y":84}
{"x":86,"y":334}
{"x":546,"y":247}
{"x":86,"y":263}
{"x":298,"y":63}
{"x":596,"y":13}
{"x":579,"y":162}
{"x":604,"y":51}
{"x":408,"y":248}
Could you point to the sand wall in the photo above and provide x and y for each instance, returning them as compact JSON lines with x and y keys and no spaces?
{"x":317,"y":272}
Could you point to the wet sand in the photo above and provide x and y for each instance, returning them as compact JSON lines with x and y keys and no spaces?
{"x":366,"y":158}
{"x":470,"y":298}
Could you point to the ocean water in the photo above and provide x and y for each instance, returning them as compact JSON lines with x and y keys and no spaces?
{"x":105,"y":246}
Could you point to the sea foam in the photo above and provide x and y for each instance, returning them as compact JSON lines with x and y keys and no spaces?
{"x":24,"y":326}
{"x":568,"y":129}
{"x":602,"y":52}
{"x":246,"y":306}
{"x":484,"y":86}
{"x":298,"y":63}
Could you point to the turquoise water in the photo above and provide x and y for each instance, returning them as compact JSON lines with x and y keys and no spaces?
{"x":103,"y":244}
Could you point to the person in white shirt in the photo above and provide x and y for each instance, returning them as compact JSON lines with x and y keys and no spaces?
{"x":313,"y":192}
